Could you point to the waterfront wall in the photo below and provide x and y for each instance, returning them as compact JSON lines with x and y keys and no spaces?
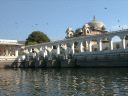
{"x":8,"y":61}
{"x":95,"y":59}
{"x":115,"y":58}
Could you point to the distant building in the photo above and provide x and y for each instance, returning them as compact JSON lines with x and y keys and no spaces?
{"x":9,"y":47}
{"x":93,"y":27}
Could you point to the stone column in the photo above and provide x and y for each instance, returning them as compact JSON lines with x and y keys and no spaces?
{"x":73,"y":49}
{"x":6,"y":52}
{"x":90,"y":46}
{"x":40,"y":48}
{"x":45,"y":51}
{"x":41,"y":52}
{"x":100,"y":45}
{"x":16,"y":52}
{"x":81,"y":47}
{"x":58,"y":49}
{"x":26,"y":51}
{"x":111,"y":44}
{"x":52,"y":47}
{"x":123,"y":43}
{"x":33,"y":53}
{"x":30,"y":50}
{"x":27,"y":54}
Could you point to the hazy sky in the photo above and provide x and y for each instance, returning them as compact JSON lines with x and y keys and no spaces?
{"x":18,"y":18}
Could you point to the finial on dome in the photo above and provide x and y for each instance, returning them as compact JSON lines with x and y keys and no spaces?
{"x":94,"y":18}
{"x":69,"y":29}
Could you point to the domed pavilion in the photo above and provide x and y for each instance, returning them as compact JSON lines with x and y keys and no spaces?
{"x":93,"y":27}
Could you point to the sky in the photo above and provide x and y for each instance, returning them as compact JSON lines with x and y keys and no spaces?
{"x":19,"y":18}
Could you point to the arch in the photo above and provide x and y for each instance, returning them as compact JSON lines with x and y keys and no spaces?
{"x":68,"y":48}
{"x":117,"y":42}
{"x":68,"y":44}
{"x":125,"y":41}
{"x":85,"y":45}
{"x":88,"y":31}
{"x":76,"y":47}
{"x":126,"y":37}
{"x":91,"y":45}
{"x":63,"y":48}
{"x":94,"y":44}
{"x":116,"y":38}
{"x":54,"y":47}
{"x":35,"y":50}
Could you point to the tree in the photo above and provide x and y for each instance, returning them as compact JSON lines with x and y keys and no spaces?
{"x":36,"y":37}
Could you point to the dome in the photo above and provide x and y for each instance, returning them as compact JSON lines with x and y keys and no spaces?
{"x":98,"y":25}
{"x":86,"y":26}
{"x":79,"y":30}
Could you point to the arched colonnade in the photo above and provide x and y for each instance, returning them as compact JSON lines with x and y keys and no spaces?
{"x":74,"y":45}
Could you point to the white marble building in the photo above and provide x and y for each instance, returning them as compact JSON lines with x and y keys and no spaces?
{"x":9,"y":49}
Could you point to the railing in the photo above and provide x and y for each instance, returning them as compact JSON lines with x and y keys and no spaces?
{"x":81,"y":37}
{"x":125,"y":51}
{"x":6,"y":58}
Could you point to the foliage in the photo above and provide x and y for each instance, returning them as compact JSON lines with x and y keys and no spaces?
{"x":36,"y":37}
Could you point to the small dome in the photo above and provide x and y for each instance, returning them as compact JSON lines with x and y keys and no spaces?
{"x":69,"y":29}
{"x":86,"y":26}
{"x":98,"y":25}
{"x":79,"y":30}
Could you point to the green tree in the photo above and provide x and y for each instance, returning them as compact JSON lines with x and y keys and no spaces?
{"x":36,"y":37}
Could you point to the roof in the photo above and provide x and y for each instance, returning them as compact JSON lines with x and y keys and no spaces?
{"x":98,"y":25}
{"x":9,"y":42}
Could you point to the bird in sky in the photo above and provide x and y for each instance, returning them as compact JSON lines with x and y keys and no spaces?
{"x":118,"y":20}
{"x":105,"y":8}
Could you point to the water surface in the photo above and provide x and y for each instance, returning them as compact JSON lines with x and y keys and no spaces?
{"x":64,"y":82}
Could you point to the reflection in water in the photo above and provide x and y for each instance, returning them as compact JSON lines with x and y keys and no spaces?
{"x":64,"y":82}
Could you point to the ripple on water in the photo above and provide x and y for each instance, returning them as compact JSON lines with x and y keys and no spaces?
{"x":64,"y":82}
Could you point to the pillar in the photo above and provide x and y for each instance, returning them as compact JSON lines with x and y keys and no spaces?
{"x":73,"y":49}
{"x":111,"y":44}
{"x":81,"y":47}
{"x":27,"y":54}
{"x":30,"y":50}
{"x":40,"y":48}
{"x":58,"y":49}
{"x":26,"y":51}
{"x":123,"y":43}
{"x":45,"y":51}
{"x":52,"y":47}
{"x":41,"y":51}
{"x":90,"y":46}
{"x":6,"y":52}
{"x":100,"y":45}
{"x":16,"y":52}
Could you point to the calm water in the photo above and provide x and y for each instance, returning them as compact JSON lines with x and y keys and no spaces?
{"x":64,"y":82}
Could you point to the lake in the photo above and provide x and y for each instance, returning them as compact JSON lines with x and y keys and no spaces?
{"x":64,"y":82}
